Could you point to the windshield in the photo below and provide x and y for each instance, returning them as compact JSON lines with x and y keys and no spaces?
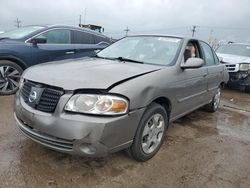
{"x":146,"y":49}
{"x":234,"y":49}
{"x":20,"y":32}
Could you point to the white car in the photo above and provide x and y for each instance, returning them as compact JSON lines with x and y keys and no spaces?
{"x":236,"y":57}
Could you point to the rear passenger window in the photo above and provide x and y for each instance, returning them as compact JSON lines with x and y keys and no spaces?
{"x":208,"y":53}
{"x":82,"y":38}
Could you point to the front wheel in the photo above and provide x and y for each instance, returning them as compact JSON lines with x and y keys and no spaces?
{"x":10,"y":74}
{"x":214,"y":104}
{"x":150,"y":133}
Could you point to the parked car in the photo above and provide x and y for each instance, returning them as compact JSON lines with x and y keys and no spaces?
{"x":236,"y":57}
{"x":124,"y":98}
{"x":31,"y":45}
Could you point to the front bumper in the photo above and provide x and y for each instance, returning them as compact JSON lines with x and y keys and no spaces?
{"x":239,"y":78}
{"x":84,"y":135}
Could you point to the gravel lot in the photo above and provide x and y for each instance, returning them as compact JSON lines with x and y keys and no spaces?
{"x":200,"y":150}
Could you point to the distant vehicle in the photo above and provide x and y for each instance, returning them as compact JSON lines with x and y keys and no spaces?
{"x":124,"y":98}
{"x":236,"y":57}
{"x":31,"y":45}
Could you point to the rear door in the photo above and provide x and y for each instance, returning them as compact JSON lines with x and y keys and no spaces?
{"x":215,"y":70}
{"x":86,"y":43}
{"x":57,"y":47}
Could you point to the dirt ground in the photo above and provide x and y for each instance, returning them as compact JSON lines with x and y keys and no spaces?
{"x":200,"y":150}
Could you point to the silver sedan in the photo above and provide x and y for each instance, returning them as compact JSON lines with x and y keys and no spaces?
{"x":123,"y":99}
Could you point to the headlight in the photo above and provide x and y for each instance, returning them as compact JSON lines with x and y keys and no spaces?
{"x":244,"y":67}
{"x":97,"y":104}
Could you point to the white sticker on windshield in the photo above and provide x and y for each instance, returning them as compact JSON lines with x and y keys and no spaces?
{"x":166,"y":39}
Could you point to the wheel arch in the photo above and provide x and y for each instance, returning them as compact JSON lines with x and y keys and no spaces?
{"x":16,"y":60}
{"x":165,"y":102}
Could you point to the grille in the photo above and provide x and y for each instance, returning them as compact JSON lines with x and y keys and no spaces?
{"x":231,"y":67}
{"x":49,"y":97}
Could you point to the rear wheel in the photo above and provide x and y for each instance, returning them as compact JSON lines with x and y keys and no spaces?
{"x":10,"y":74}
{"x":214,"y":104}
{"x":150,"y":134}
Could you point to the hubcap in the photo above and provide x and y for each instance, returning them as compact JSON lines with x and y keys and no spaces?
{"x":9,"y":78}
{"x":153,"y":133}
{"x":217,"y":99}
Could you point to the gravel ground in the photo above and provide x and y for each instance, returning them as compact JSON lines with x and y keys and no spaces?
{"x":200,"y":150}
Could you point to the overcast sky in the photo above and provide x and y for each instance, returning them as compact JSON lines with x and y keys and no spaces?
{"x":225,"y":19}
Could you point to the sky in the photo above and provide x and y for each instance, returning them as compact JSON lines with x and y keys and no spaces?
{"x":225,"y":20}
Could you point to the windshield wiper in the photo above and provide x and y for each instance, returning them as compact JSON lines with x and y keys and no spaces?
{"x":129,"y":60}
{"x":110,"y":58}
{"x":120,"y":59}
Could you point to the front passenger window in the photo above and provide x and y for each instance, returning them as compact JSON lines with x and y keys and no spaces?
{"x":59,"y":36}
{"x":209,"y":57}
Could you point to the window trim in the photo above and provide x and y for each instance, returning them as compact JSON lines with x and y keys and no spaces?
{"x":60,"y":28}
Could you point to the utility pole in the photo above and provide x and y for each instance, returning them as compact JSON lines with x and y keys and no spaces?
{"x":18,"y":23}
{"x":80,"y":20}
{"x":127,"y":30}
{"x":84,"y":18}
{"x":193,"y":30}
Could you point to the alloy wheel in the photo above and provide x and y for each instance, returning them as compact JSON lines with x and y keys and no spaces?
{"x":9,"y":79}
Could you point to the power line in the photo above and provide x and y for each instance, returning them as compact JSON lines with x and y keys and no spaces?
{"x":18,"y":23}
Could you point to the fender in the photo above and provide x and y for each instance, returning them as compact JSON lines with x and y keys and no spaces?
{"x":14,"y":59}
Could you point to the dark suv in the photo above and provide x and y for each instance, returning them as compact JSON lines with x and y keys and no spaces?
{"x":31,"y":45}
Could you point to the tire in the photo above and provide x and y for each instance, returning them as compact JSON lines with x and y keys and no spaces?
{"x":214,"y":104}
{"x":149,"y":135}
{"x":247,"y":89}
{"x":10,"y":74}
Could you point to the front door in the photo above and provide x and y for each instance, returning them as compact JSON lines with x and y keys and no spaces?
{"x":57,"y":47}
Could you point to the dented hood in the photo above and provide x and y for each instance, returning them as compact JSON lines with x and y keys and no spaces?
{"x":91,"y":73}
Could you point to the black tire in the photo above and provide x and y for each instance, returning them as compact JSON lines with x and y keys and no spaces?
{"x":136,"y":150}
{"x":247,"y":89}
{"x":214,"y":104}
{"x":10,"y":74}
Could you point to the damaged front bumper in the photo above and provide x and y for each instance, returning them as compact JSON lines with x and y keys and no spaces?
{"x":240,"y":78}
{"x":84,"y":135}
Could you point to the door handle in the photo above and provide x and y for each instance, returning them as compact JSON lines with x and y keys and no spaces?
{"x":70,"y":52}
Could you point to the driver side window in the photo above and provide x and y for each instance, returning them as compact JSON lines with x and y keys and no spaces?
{"x":192,"y":50}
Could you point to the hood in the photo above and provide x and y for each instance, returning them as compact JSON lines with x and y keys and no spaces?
{"x":233,"y":59}
{"x":91,"y":73}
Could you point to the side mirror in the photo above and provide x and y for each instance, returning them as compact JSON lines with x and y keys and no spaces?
{"x":192,"y":63}
{"x":220,"y":59}
{"x":38,"y":40}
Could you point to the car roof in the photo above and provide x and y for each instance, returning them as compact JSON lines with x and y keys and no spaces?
{"x":56,"y":26}
{"x":186,"y":39}
{"x":239,"y":43}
